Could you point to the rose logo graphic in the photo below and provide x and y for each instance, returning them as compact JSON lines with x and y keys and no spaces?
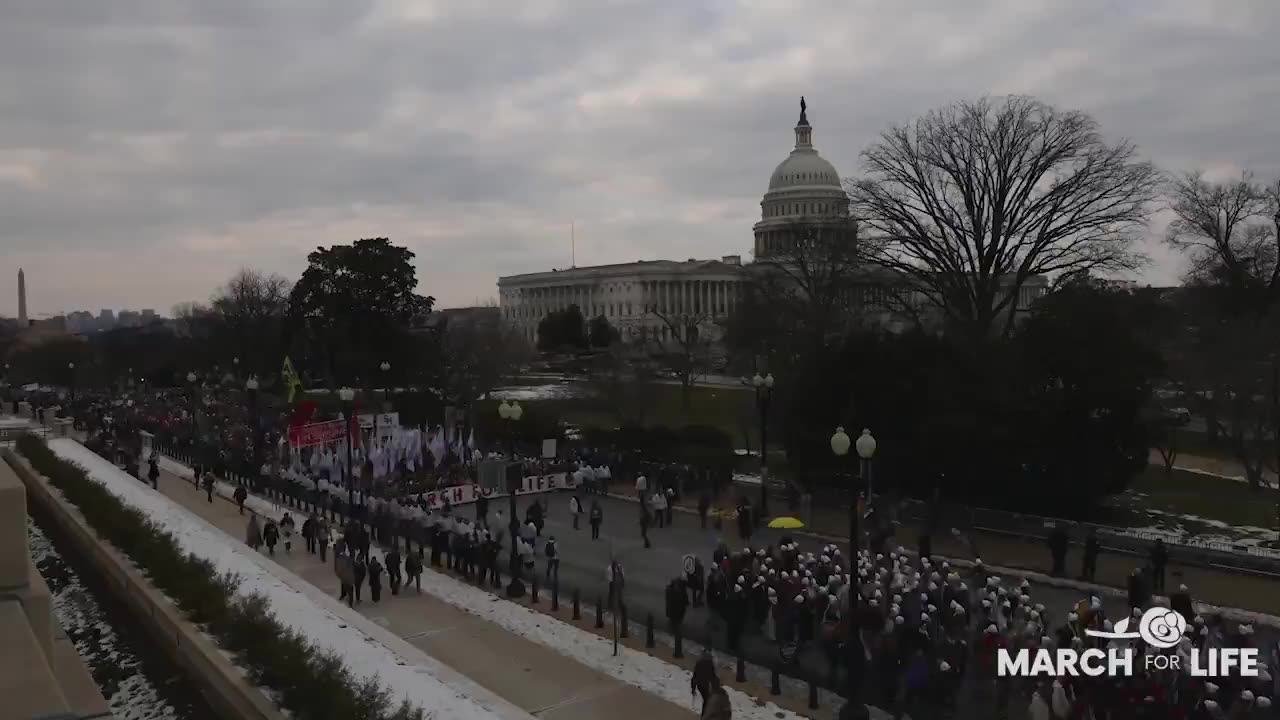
{"x":1159,"y":627}
{"x":1162,"y":628}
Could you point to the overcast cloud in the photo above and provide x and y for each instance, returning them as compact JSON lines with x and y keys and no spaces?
{"x":149,"y":148}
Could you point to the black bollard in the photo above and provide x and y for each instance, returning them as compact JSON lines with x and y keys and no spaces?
{"x":555,"y":595}
{"x":624,"y":628}
{"x":775,"y":682}
{"x":599,"y":613}
{"x":678,"y":652}
{"x":813,"y":695}
{"x":577,"y":605}
{"x":533,"y":589}
{"x":741,"y":675}
{"x":648,"y":631}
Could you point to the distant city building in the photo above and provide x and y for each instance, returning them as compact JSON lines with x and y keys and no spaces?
{"x":128,"y":319}
{"x":106,"y":319}
{"x":149,"y":316}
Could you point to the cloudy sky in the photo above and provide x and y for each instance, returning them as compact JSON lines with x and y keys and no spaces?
{"x":149,"y":148}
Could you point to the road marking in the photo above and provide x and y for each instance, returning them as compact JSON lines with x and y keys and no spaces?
{"x":429,"y":633}
{"x":581,"y":697}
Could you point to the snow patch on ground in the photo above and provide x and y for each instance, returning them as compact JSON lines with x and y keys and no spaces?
{"x":362,"y":645}
{"x":529,"y":393}
{"x":653,"y":675}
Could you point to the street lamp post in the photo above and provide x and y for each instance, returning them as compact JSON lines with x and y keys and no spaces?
{"x":251,"y":388}
{"x":856,"y":659}
{"x":512,"y":412}
{"x":348,"y":397}
{"x":764,"y":389}
{"x":386,"y":368}
{"x":866,"y":447}
{"x":71,"y":382}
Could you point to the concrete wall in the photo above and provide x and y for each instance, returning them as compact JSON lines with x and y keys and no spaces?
{"x":40,"y":673}
{"x":221,"y":683}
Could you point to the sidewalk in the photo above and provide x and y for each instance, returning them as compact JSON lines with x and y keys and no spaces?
{"x":534,"y":678}
{"x":1215,"y":587}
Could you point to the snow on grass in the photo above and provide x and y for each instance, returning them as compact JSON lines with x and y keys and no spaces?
{"x":528,"y":393}
{"x":653,"y":675}
{"x":368,"y":650}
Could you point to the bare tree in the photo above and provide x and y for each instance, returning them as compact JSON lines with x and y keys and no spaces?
{"x":480,"y":352}
{"x":683,"y":346}
{"x":811,"y":279}
{"x":622,"y":382}
{"x":1231,"y":230}
{"x":251,"y":311}
{"x":971,"y":201}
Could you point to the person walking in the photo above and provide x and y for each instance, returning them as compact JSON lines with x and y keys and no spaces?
{"x":393,"y":570}
{"x":286,"y":531}
{"x":1159,"y":559}
{"x":575,"y":509}
{"x":704,"y":505}
{"x":642,"y":489}
{"x":413,"y":569}
{"x":644,"y":526}
{"x":718,"y":706}
{"x":669,"y":505}
{"x":322,"y":536}
{"x":617,"y":578}
{"x":703,"y":679}
{"x":240,"y":495}
{"x":1058,"y":543}
{"x":309,"y":533}
{"x":359,"y":571}
{"x":253,"y":533}
{"x":270,"y":536}
{"x":595,"y":518}
{"x":677,"y":602}
{"x":482,"y":510}
{"x":1090,"y":564}
{"x":345,"y":570}
{"x":659,"y":504}
{"x":208,"y":486}
{"x":553,"y":559}
{"x":375,"y":578}
{"x":153,"y":471}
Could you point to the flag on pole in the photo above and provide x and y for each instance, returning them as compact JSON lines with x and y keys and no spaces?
{"x":292,"y":382}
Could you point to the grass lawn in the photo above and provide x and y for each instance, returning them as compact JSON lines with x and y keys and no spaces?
{"x":1193,"y":494}
{"x":731,"y":410}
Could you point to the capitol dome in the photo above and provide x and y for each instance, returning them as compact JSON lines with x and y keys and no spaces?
{"x":804,"y":189}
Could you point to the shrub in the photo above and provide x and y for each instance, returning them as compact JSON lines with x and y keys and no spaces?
{"x":307,"y":681}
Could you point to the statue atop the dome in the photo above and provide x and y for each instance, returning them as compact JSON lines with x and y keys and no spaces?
{"x":803,"y":107}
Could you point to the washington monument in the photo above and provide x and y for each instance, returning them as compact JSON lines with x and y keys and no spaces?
{"x":22,"y":298}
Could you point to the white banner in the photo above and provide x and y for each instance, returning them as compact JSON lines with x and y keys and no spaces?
{"x":467,"y":494}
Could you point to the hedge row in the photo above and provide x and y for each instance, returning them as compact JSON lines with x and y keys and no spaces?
{"x":308,"y":682}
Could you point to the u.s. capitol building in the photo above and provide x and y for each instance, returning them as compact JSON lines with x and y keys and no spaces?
{"x":656,"y":298}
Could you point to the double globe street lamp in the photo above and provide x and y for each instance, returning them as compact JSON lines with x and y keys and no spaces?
{"x":348,"y":396}
{"x":251,"y":388}
{"x":764,"y":389}
{"x":856,"y":660}
{"x":512,"y":412}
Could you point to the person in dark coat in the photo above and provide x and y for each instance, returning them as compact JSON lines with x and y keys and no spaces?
{"x":1159,"y":558}
{"x":644,"y":526}
{"x":1181,"y":601}
{"x":704,"y":677}
{"x":482,"y":510}
{"x":153,"y":471}
{"x":677,"y":604}
{"x":375,"y":578}
{"x":1089,"y":568}
{"x":360,"y":569}
{"x":1137,"y":588}
{"x":596,"y":517}
{"x":309,"y":533}
{"x":393,"y":570}
{"x":1058,"y":542}
{"x":413,"y":569}
{"x":270,"y":535}
{"x":240,"y":495}
{"x":208,"y":485}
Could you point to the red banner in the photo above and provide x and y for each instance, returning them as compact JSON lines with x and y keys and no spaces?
{"x":316,"y":433}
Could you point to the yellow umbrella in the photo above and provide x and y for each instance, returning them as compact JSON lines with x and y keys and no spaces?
{"x":785,"y":523}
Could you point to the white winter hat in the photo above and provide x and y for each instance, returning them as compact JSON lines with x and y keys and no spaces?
{"x":737,"y":588}
{"x":1210,"y":688}
{"x":991,"y":630}
{"x":1246,"y":696}
{"x":944,"y":667}
{"x":898,"y":620}
{"x":1246,"y":629}
{"x":799,"y":598}
{"x":1264,"y":702}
